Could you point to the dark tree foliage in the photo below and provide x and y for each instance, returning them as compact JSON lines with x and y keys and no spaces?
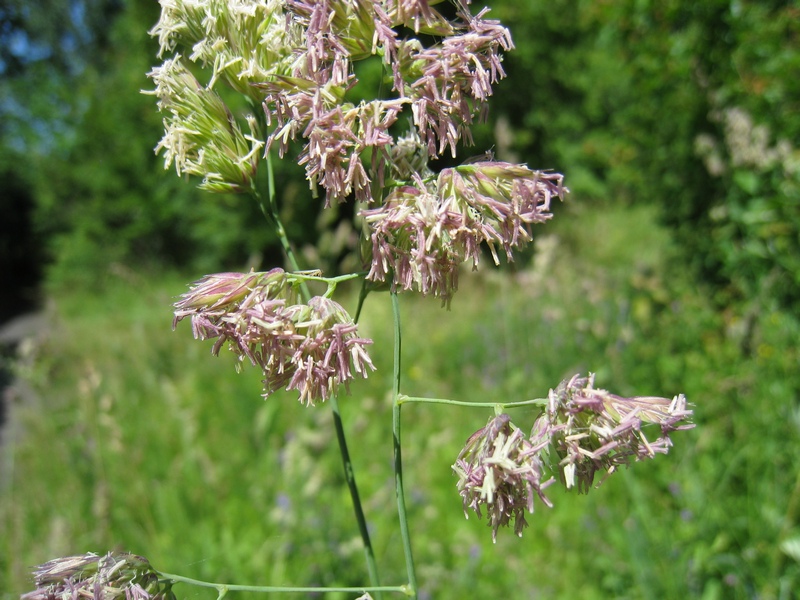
{"x":66,"y":35}
{"x":20,"y":249}
{"x":625,"y":98}
{"x":43,"y":46}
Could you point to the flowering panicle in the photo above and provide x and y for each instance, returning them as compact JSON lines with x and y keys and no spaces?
{"x":446,"y":85}
{"x":113,"y":576}
{"x":422,"y":233}
{"x":295,"y":57}
{"x":500,"y":470}
{"x":201,"y":135}
{"x":347,"y":30}
{"x":408,"y":160}
{"x":311,"y":102}
{"x":310,"y":348}
{"x":419,"y":16}
{"x":503,"y":200}
{"x":449,"y":83}
{"x":243,"y":41}
{"x":593,"y":430}
{"x":338,"y":134}
{"x":581,"y":431}
{"x":412,"y":244}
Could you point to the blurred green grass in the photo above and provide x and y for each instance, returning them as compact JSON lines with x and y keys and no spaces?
{"x":136,"y":438}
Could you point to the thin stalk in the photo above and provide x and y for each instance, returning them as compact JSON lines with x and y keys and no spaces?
{"x":350,"y":476}
{"x":274,"y":218}
{"x":792,"y":509}
{"x":331,"y":281}
{"x":222,"y":588}
{"x":398,"y":459}
{"x":503,"y":405}
{"x":270,"y":211}
{"x":362,"y":295}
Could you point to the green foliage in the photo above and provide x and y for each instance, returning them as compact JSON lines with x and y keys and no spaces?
{"x":59,"y":35}
{"x":620,"y":97}
{"x":613,"y":95}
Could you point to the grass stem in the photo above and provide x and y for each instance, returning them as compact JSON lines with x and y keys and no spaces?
{"x":274,"y":218}
{"x":541,"y":402}
{"x":223,"y":588}
{"x":398,"y":459}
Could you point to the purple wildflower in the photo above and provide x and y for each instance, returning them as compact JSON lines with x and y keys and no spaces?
{"x":311,"y":348}
{"x":500,"y":470}
{"x":110,"y":577}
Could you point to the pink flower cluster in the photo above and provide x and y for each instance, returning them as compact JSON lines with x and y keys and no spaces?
{"x":422,"y":233}
{"x":445,"y":85}
{"x":453,"y":80}
{"x":299,"y":62}
{"x":311,"y":347}
{"x":501,"y":470}
{"x":582,"y":430}
{"x":594,"y":430}
{"x":116,"y":575}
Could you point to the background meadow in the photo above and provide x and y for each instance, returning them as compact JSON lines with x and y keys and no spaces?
{"x":662,"y":273}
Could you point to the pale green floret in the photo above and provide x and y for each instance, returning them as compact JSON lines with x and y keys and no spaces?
{"x":245,"y":42}
{"x":201,"y":136}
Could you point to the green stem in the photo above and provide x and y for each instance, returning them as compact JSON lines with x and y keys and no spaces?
{"x":331,"y":282}
{"x":789,"y":520}
{"x":503,"y":405}
{"x":369,"y":554}
{"x":328,"y":280}
{"x":362,"y":296}
{"x":274,"y":218}
{"x":222,"y":588}
{"x":398,"y":459}
{"x":270,"y":212}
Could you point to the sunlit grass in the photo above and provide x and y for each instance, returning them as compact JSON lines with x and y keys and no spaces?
{"x":138,"y":439}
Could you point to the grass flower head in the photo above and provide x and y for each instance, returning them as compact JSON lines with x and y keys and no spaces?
{"x":423,"y":232}
{"x":500,"y":470}
{"x":593,"y":430}
{"x":201,"y":136}
{"x":117,"y":575}
{"x":311,"y":348}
